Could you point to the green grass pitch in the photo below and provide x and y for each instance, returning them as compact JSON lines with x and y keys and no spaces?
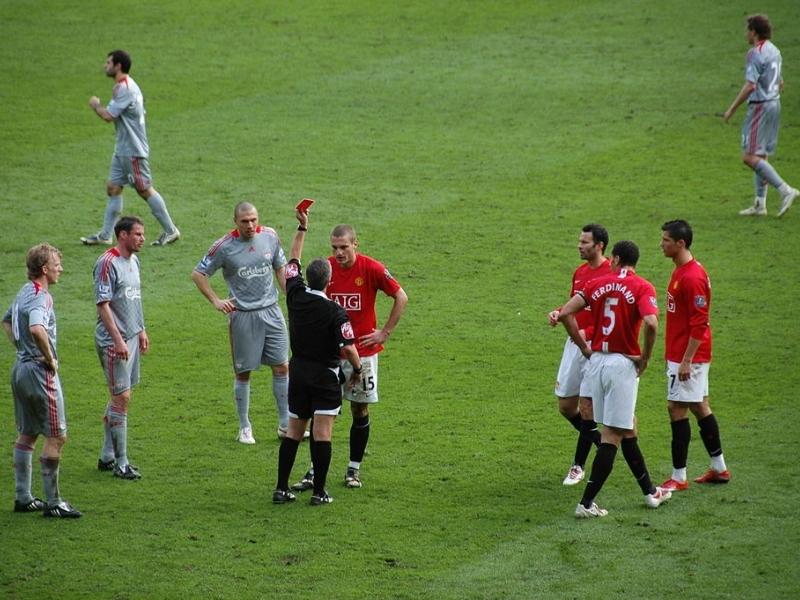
{"x":468,"y":142}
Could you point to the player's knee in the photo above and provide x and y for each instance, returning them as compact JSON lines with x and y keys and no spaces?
{"x":280,"y":370}
{"x":359,"y":410}
{"x":112,"y":189}
{"x":145,"y":192}
{"x":119,"y":402}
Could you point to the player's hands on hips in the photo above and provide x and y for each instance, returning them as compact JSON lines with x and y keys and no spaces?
{"x":641,"y":365}
{"x":225,"y":306}
{"x":51,"y":363}
{"x":94,"y":101}
{"x":685,"y":370}
{"x":377,"y":337}
{"x":144,"y":342}
{"x":552,"y":317}
{"x":587,"y":352}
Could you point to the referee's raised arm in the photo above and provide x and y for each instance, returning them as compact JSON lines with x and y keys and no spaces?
{"x":300,"y":236}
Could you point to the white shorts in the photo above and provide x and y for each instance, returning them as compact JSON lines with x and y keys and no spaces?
{"x":571,"y":378}
{"x":614,"y":386}
{"x":365,"y":392}
{"x":693,"y":389}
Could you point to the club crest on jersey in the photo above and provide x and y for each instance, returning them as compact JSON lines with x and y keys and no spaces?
{"x":291,"y":270}
{"x":700,"y":301}
{"x":359,"y":281}
{"x":653,"y":301}
{"x":347,"y":331}
{"x":347,"y":301}
{"x":670,"y":303}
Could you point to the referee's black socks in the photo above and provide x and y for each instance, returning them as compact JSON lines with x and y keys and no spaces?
{"x":286,"y":456}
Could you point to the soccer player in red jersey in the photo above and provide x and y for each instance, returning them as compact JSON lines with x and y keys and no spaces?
{"x":354,"y":285}
{"x":574,"y":402}
{"x":620,"y":303}
{"x":688,"y":355}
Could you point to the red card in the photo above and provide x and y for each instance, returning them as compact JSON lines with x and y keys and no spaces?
{"x":304,"y":205}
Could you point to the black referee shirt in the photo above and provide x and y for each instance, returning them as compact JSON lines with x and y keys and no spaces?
{"x":318,"y":327}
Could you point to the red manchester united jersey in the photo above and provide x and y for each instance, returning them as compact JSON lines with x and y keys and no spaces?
{"x":619,"y":301}
{"x":580,"y":279}
{"x":688,"y":303}
{"x":354,"y":289}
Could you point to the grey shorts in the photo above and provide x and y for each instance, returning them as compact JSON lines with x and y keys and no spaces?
{"x":130,"y":170}
{"x":760,"y":128}
{"x":121,"y":375}
{"x":258,"y":337}
{"x":38,"y":400}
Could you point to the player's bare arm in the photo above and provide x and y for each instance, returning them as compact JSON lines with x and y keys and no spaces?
{"x":144,"y":342}
{"x":120,"y":347}
{"x":280,"y":276}
{"x":685,"y":368}
{"x":743,"y":94}
{"x":650,"y":323}
{"x":201,"y":281}
{"x":9,"y":331}
{"x":552,"y":317}
{"x":567,"y":317}
{"x":379,"y":336}
{"x":100,"y":110}
{"x":39,"y":335}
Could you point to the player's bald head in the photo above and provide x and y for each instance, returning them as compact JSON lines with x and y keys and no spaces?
{"x":241,"y":208}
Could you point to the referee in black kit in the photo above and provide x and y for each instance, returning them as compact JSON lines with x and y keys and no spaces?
{"x":319,"y":331}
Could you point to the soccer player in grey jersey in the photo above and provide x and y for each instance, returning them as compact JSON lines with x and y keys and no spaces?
{"x":762,"y":90}
{"x":119,"y":339}
{"x":30,"y":324}
{"x":129,"y":165}
{"x":252,"y":260}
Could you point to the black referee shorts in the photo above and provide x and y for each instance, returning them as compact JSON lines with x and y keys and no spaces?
{"x":313,"y":387}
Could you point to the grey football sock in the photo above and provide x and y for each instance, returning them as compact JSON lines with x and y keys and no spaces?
{"x":159,"y":209}
{"x":766,"y":171}
{"x":113,"y":211}
{"x":23,"y":466}
{"x":118,"y":423}
{"x":241,"y":393}
{"x":107,"y":453}
{"x":280,"y":389}
{"x":50,"y":480}
{"x":760,"y":185}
